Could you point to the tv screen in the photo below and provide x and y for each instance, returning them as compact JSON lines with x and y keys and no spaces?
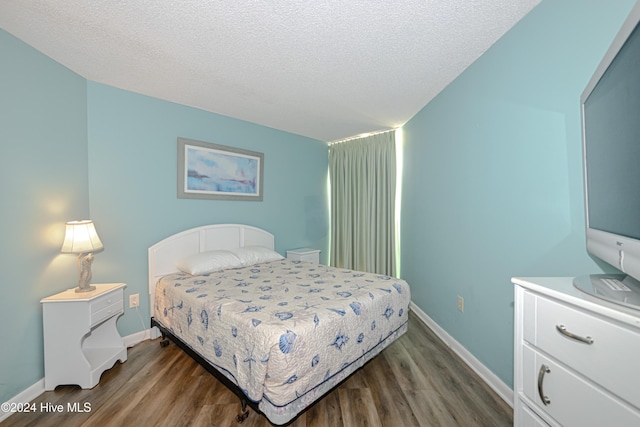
{"x":611,"y":142}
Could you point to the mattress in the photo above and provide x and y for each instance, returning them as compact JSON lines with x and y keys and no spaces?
{"x":285,"y":332}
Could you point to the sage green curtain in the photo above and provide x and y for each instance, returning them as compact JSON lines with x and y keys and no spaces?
{"x":363,"y":192}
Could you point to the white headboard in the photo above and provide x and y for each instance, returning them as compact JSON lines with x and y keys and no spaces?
{"x":164,"y":255}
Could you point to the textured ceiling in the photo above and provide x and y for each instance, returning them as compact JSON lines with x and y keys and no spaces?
{"x":326,"y":69}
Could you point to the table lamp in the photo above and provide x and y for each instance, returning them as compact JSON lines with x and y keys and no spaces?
{"x":81,"y":238}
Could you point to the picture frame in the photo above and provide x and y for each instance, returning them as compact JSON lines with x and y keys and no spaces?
{"x":218,"y":172}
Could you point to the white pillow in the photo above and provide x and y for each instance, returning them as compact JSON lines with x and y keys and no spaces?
{"x":208,"y":262}
{"x":250,"y":255}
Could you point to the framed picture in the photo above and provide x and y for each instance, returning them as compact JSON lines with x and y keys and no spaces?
{"x":212,"y":171}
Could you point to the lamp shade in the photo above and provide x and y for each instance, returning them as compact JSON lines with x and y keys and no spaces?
{"x":81,"y":237}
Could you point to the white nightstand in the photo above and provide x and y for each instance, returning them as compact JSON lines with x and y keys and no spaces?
{"x":81,"y":340}
{"x":304,"y":254}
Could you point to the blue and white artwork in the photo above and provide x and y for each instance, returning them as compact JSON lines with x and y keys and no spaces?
{"x":215,"y":171}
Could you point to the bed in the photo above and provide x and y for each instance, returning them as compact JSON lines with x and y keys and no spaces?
{"x":279,"y":333}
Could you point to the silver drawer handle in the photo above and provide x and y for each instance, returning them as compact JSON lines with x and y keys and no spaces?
{"x":563,"y":330}
{"x":544,"y":369}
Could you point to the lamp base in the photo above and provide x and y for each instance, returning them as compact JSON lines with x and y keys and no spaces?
{"x":84,"y":265}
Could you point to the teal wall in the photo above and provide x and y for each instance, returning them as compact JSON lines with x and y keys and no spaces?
{"x":43,"y":183}
{"x":492,"y":175}
{"x":76,"y":149}
{"x":133,"y":173}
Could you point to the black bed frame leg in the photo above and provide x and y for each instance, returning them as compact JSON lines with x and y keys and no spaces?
{"x":165,"y":341}
{"x":244,"y":412}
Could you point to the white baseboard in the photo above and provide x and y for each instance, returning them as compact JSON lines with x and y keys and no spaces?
{"x":504,"y":391}
{"x":25,"y":396}
{"x":37,"y":389}
{"x":138,"y":337}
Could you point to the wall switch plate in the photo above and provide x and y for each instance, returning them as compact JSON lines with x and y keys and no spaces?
{"x":460,"y":304}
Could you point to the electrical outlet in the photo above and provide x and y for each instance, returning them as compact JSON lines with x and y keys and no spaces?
{"x":134,"y":300}
{"x":460,"y":304}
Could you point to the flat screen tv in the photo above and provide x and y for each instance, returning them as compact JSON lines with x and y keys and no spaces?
{"x":611,"y":157}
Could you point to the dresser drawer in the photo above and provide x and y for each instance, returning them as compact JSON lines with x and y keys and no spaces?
{"x":527,"y":418}
{"x":610,"y":359}
{"x":106,"y":306}
{"x":572,"y":401}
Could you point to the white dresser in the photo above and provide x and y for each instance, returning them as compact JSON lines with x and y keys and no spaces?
{"x":577,"y":359}
{"x":81,"y":340}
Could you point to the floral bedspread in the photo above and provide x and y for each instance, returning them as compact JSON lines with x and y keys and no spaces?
{"x":281,"y":329}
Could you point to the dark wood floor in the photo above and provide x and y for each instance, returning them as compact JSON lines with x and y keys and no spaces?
{"x":417,"y":381}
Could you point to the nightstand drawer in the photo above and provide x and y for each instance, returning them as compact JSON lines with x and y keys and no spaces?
{"x":107,"y":300}
{"x":106,"y":312}
{"x":106,"y":306}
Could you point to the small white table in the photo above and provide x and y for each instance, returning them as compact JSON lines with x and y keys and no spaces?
{"x":304,"y":254}
{"x":81,"y":339}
